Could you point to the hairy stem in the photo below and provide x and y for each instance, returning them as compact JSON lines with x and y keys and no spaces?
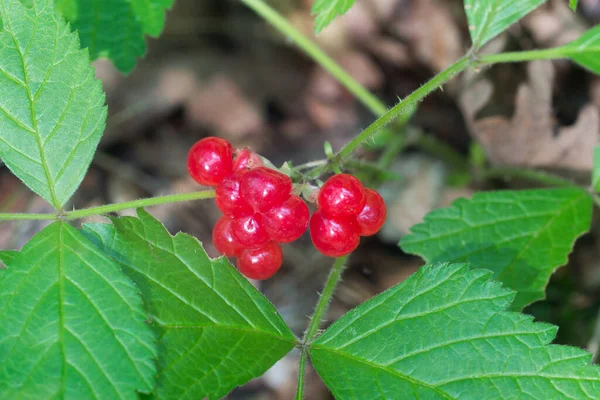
{"x":101,"y":210}
{"x":314,"y":52}
{"x":301,"y":372}
{"x":152,"y":201}
{"x":396,"y":111}
{"x":369,"y":100}
{"x":518,"y":56}
{"x":26,"y":217}
{"x":315,"y":321}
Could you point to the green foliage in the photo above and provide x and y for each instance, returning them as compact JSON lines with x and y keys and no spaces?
{"x":573,"y":4}
{"x":585,"y":50}
{"x":327,"y":10}
{"x":444,"y":334}
{"x":522,"y":236}
{"x":216,"y":330}
{"x":116,"y":28}
{"x":488,"y":18}
{"x":596,"y":170}
{"x":71,"y":323}
{"x":52,"y":110}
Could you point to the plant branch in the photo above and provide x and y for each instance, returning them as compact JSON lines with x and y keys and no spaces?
{"x":152,"y":201}
{"x":315,"y":321}
{"x":301,"y":372}
{"x":324,"y":300}
{"x":517,"y":56}
{"x":26,"y":217}
{"x":369,"y":100}
{"x":400,"y":108}
{"x":314,"y":52}
{"x":101,"y":210}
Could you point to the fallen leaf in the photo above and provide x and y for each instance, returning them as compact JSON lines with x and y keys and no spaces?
{"x":554,"y":24}
{"x":222,"y":106}
{"x":532,"y":137}
{"x":430,"y":29}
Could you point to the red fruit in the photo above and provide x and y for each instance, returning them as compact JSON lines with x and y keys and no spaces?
{"x":246,"y":159}
{"x":249,"y":230}
{"x":210,"y":160}
{"x":341,"y":196}
{"x":334,"y":237}
{"x":223,"y":239}
{"x":260,"y":262}
{"x":371,"y":218}
{"x":264,"y":188}
{"x":288,"y":221}
{"x":228,"y":197}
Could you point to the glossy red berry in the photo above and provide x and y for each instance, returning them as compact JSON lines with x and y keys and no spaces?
{"x":288,"y":221}
{"x":372,"y":217}
{"x":246,"y":159}
{"x":249,"y":230}
{"x":260,"y":262}
{"x":228,"y":197}
{"x":264,"y":188}
{"x":210,"y":160}
{"x":341,"y":196}
{"x":334,"y":237}
{"x":223,"y":239}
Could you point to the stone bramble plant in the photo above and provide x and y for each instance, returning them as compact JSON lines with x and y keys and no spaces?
{"x":123,"y":309}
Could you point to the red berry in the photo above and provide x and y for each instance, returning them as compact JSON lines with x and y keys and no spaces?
{"x":264,"y":188}
{"x":371,"y":218}
{"x":260,"y":262}
{"x":335,"y":236}
{"x":210,"y":160}
{"x":228,"y":197}
{"x":342,"y":196}
{"x":249,"y":230}
{"x":223,"y":239}
{"x":288,"y":221}
{"x":246,"y":159}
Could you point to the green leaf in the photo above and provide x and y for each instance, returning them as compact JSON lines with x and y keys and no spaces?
{"x":573,"y":4}
{"x":444,"y":334}
{"x":522,"y":236}
{"x":596,"y":170}
{"x":71,"y":323}
{"x":216,"y":330}
{"x":52,"y":110}
{"x":115,"y":29}
{"x":489,"y":18}
{"x":327,"y":10}
{"x":585,"y":50}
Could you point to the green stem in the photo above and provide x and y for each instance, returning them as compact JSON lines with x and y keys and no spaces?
{"x":324,"y":300}
{"x":152,"y":201}
{"x":527,"y":174}
{"x":313,"y":51}
{"x":301,"y":372}
{"x":401,"y":107}
{"x":26,"y":217}
{"x":517,"y":56}
{"x":101,"y":210}
{"x":317,"y":318}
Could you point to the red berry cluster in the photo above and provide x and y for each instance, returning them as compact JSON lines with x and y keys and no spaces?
{"x":346,"y":211}
{"x":260,"y":212}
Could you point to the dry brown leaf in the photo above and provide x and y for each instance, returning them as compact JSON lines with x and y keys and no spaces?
{"x":221,"y":105}
{"x":554,"y":24}
{"x":431,"y":30}
{"x":532,"y":137}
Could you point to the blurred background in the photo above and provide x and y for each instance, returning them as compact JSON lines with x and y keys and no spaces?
{"x":219,"y":70}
